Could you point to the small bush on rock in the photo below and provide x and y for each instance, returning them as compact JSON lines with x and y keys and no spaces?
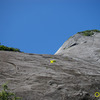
{"x":5,"y":48}
{"x":88,"y":32}
{"x":6,"y":95}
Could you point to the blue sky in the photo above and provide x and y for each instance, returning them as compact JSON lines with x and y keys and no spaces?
{"x":42,"y":26}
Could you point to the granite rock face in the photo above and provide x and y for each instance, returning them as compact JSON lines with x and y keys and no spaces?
{"x":73,"y":76}
{"x":82,"y":47}
{"x":33,"y":77}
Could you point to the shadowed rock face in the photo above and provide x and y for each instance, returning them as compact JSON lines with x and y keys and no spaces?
{"x":32,"y":77}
